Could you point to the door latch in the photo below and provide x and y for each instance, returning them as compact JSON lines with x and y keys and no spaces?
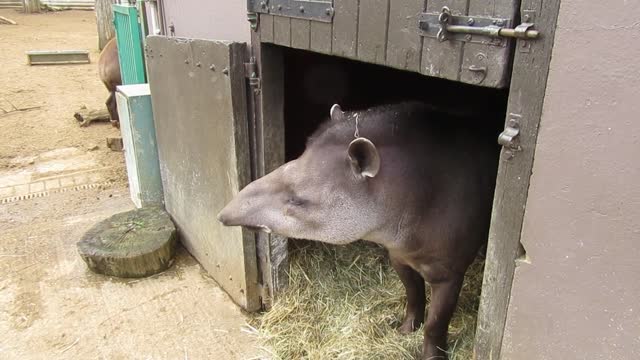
{"x":509,"y":139}
{"x":446,"y":26}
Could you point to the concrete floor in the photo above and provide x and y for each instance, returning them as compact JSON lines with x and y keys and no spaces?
{"x":51,"y":306}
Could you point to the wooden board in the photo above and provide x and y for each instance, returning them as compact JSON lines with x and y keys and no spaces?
{"x":266,"y":125}
{"x":266,"y":28}
{"x":386,"y":32}
{"x":495,"y":59}
{"x":372,"y":31}
{"x":345,"y":28}
{"x":321,"y":37}
{"x":202,"y":134}
{"x":404,"y":43}
{"x":528,"y":84}
{"x":300,"y":34}
{"x":442,"y":59}
{"x":282,"y":30}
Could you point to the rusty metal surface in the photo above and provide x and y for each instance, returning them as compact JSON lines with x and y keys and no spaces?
{"x":198,"y":96}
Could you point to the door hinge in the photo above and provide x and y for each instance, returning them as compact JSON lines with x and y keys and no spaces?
{"x":486,"y":30}
{"x":252,"y":17}
{"x":251,"y":73}
{"x":316,"y":10}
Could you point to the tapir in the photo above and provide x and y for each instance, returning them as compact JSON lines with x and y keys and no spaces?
{"x":417,"y":181}
{"x":109,"y":71}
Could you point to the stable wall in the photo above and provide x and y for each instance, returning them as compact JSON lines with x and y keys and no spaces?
{"x":211,"y":19}
{"x":576,"y":296}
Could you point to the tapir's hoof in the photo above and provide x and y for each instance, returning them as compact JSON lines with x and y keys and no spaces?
{"x":408,"y":326}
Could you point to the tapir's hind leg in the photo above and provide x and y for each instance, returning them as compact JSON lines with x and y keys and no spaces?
{"x":444,"y":296}
{"x":414,"y":285}
{"x":112,"y":107}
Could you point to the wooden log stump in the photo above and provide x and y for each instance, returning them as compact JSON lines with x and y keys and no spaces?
{"x":115,"y":143}
{"x":132,"y":244}
{"x":86,"y":116}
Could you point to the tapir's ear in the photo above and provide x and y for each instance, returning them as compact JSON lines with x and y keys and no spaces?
{"x":336,"y":113}
{"x":365,"y":160}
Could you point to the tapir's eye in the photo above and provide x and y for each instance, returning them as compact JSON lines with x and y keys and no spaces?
{"x":295,"y":201}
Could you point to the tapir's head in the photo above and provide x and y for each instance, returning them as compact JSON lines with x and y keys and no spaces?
{"x":324,"y":195}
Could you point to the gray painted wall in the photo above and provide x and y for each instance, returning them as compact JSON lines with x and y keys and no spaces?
{"x":210,"y":19}
{"x":579,"y":297}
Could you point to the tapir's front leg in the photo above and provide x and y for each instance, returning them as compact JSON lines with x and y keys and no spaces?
{"x":444,"y":296}
{"x":414,"y":285}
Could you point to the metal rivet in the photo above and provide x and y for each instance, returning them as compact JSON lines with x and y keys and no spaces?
{"x":468,"y":37}
{"x":500,"y":22}
{"x":198,"y":64}
{"x":186,"y":61}
{"x":527,"y":17}
{"x":302,"y":9}
{"x":225,"y":71}
{"x":279,"y":7}
{"x":212,"y":67}
{"x":470,"y":21}
{"x":329,"y":11}
{"x":495,"y":22}
{"x":263,"y":4}
{"x":230,"y":278}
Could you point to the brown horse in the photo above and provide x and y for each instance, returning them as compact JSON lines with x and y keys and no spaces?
{"x":109,"y":70}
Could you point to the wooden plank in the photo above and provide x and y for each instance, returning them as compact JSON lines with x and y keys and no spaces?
{"x":265,"y":26}
{"x":268,"y":153}
{"x":273,"y":155}
{"x":345,"y":28}
{"x":300,"y":34}
{"x":404,"y":43}
{"x":443,"y":59}
{"x":181,"y":82}
{"x":56,"y":57}
{"x":321,"y":37}
{"x":372,"y":31}
{"x":496,"y":59}
{"x":282,"y":30}
{"x":528,"y":84}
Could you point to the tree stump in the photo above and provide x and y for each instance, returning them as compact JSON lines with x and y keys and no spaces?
{"x":132,"y":244}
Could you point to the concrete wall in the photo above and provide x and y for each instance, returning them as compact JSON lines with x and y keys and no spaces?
{"x":210,"y":19}
{"x":579,"y":298}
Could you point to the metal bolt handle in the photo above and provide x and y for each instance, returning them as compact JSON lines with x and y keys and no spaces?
{"x":522,"y":31}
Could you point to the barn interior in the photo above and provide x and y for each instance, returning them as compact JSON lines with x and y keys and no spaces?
{"x":348,"y":299}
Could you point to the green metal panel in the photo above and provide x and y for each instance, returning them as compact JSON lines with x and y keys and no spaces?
{"x":125,"y":19}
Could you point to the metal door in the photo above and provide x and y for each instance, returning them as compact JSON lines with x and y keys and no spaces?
{"x":125,"y":18}
{"x":199,"y":104}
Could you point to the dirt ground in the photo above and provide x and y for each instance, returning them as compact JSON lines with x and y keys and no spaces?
{"x":56,"y":181}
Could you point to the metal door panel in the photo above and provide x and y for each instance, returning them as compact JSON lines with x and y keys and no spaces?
{"x":125,"y":18}
{"x":199,"y":105}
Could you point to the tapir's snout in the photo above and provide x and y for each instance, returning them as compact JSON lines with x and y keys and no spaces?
{"x":223,"y":218}
{"x":226,"y":215}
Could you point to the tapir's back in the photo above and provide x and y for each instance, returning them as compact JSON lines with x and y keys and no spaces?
{"x":109,"y":66}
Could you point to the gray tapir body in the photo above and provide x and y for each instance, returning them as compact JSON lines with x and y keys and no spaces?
{"x":416,"y":181}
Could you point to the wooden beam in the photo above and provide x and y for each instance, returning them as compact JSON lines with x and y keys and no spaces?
{"x":526,"y":98}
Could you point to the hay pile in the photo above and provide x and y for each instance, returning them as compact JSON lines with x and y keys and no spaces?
{"x":345,"y":302}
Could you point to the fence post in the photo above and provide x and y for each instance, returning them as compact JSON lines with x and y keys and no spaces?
{"x":104,"y":19}
{"x":31,"y":6}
